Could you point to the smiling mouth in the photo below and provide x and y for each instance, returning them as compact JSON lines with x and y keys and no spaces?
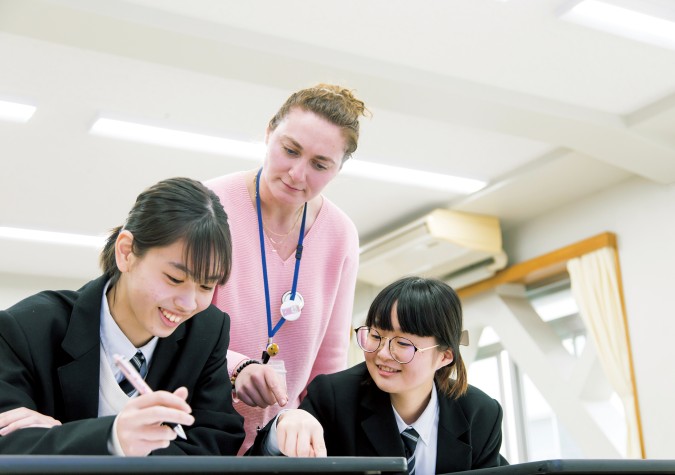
{"x":171,"y":317}
{"x":387,"y":369}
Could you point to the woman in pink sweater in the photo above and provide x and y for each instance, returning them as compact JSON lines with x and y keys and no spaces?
{"x":295,"y":255}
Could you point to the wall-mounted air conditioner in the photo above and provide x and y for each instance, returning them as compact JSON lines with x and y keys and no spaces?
{"x":460,"y":248}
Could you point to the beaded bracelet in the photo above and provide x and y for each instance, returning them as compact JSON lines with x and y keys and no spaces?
{"x":236,"y":372}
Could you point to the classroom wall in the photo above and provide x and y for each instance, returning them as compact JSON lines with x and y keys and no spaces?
{"x":641,"y":214}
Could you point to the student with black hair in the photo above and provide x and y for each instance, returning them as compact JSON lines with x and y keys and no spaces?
{"x":409,"y":398}
{"x":60,"y":391}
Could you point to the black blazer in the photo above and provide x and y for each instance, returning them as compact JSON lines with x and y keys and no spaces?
{"x":49,"y":362}
{"x":358,"y":420}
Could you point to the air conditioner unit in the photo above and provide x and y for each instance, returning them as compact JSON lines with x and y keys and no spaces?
{"x":460,"y":248}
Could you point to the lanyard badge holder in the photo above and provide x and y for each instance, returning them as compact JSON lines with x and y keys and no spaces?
{"x":291,"y":302}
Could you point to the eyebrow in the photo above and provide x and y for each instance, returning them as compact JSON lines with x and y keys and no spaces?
{"x":297,"y":145}
{"x":183,"y":268}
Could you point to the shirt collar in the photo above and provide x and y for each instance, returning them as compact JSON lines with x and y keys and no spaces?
{"x":425,"y":423}
{"x":114,"y":341}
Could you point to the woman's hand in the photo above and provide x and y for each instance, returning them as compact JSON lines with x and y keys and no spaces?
{"x":140,"y":428}
{"x":21,"y":418}
{"x":258,"y":385}
{"x":299,"y":434}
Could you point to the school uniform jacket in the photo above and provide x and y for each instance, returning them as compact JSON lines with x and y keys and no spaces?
{"x":49,"y":362}
{"x":358,"y":420}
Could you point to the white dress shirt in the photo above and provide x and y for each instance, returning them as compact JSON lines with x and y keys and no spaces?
{"x":427,"y":427}
{"x":113,"y":341}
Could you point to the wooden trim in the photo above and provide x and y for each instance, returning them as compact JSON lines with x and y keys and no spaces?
{"x":631,"y":366}
{"x":541,"y":267}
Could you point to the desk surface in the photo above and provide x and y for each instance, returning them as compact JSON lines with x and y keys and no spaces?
{"x":581,"y":467}
{"x":198,"y":464}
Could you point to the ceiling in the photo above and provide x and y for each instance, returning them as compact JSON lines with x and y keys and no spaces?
{"x":503,"y":91}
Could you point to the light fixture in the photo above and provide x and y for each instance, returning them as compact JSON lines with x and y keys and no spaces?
{"x":644,"y":20}
{"x":15,"y":112}
{"x":138,"y":132}
{"x":52,"y":237}
{"x":409,"y":176}
{"x":151,"y":134}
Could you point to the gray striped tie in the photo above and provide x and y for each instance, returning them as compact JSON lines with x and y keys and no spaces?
{"x":410,"y":438}
{"x":138,"y":362}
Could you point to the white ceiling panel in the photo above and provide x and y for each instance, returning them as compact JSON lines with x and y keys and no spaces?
{"x":545,"y":111}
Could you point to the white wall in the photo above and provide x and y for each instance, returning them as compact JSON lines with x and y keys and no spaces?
{"x":14,"y":287}
{"x":642,"y":215}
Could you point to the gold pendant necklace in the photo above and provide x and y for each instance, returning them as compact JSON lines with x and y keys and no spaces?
{"x":284,"y":235}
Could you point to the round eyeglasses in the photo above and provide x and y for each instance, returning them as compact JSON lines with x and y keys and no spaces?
{"x":401,"y":349}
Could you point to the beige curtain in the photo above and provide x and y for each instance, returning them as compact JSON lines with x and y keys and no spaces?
{"x":596,"y":288}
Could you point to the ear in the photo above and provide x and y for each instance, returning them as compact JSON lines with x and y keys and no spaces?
{"x":123,"y":250}
{"x":268,"y":132}
{"x":447,"y":357}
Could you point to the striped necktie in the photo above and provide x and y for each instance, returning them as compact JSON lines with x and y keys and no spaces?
{"x":410,"y":438}
{"x":138,"y":362}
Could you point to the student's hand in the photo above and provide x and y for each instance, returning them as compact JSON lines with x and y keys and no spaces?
{"x":299,"y":434}
{"x":22,"y":417}
{"x":258,"y":385}
{"x":139,"y":424}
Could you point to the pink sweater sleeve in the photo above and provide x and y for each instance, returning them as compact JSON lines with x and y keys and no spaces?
{"x":335,"y":343}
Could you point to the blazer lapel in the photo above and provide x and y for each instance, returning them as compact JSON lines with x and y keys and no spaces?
{"x":379,"y":424}
{"x":165,"y":360}
{"x":79,"y":378}
{"x":452,"y":453}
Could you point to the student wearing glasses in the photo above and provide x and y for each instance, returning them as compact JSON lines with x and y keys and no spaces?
{"x":409,"y":398}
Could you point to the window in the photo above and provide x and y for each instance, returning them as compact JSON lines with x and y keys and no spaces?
{"x":531,"y":429}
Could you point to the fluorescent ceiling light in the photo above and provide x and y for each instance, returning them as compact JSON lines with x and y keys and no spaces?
{"x":139,"y":132}
{"x":15,"y":112}
{"x":643,"y":21}
{"x":52,"y":237}
{"x":409,"y":176}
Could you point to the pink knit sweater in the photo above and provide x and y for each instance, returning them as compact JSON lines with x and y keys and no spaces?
{"x":317,"y":342}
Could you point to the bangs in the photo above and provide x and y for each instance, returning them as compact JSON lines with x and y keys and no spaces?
{"x":208,"y":253}
{"x":379,"y":314}
{"x":416,"y":314}
{"x":418,"y":308}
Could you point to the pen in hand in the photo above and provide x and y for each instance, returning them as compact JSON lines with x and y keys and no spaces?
{"x":142,"y":387}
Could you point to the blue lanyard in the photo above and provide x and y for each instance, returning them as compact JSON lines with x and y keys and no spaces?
{"x":298,"y":255}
